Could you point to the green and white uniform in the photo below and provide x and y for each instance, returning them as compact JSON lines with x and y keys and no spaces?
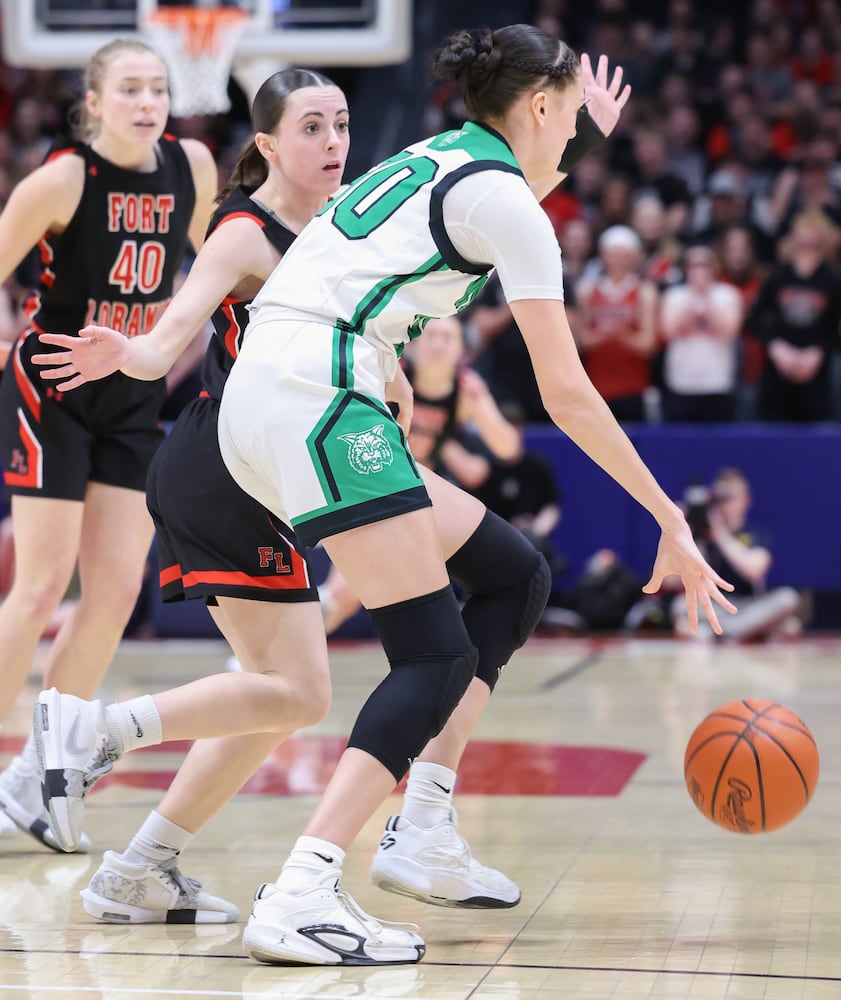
{"x":303,"y":424}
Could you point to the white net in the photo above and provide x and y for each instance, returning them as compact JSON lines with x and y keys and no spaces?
{"x":198,"y":45}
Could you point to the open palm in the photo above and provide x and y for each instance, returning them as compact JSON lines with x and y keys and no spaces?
{"x":97,"y":351}
{"x":604,"y":100}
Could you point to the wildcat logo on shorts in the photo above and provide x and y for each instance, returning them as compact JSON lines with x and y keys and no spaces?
{"x":368,"y":451}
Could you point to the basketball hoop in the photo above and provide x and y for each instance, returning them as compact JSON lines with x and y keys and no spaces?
{"x":198,"y":45}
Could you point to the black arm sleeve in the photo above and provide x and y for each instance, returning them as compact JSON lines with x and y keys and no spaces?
{"x":587,"y":137}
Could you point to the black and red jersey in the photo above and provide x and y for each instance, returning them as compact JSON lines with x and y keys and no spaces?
{"x":231,"y":318}
{"x":115,"y":262}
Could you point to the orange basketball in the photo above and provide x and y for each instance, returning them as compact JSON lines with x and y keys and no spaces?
{"x":751,"y":766}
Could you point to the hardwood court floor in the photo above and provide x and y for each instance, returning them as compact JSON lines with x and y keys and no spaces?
{"x":574,"y":787}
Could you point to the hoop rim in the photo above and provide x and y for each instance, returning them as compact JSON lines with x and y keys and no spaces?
{"x":201,"y":26}
{"x":180,"y":14}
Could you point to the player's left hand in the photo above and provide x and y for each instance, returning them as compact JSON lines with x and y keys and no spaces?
{"x":604,"y":100}
{"x":678,"y":553}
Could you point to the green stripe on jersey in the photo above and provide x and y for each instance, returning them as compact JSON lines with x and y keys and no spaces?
{"x":381,"y":294}
{"x":472,"y":291}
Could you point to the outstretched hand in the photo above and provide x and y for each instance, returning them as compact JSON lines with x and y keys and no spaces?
{"x":98,"y":351}
{"x":604,"y":100}
{"x":678,"y":553}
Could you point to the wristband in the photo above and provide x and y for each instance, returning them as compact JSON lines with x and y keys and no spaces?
{"x":587,"y":137}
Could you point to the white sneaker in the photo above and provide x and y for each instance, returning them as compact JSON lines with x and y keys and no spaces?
{"x":72,"y":742}
{"x":324,"y":926}
{"x":22,"y":804}
{"x":124,"y":893}
{"x":436,"y":866}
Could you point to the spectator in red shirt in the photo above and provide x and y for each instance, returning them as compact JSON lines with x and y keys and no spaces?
{"x":617,"y":332}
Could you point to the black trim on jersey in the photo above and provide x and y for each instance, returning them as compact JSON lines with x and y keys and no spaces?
{"x":343,"y":336}
{"x":240,"y":201}
{"x":233,"y":313}
{"x":445,"y":246}
{"x":368,"y":512}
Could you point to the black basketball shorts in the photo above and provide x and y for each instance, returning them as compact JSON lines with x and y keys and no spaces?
{"x":213,"y":539}
{"x":52,"y":444}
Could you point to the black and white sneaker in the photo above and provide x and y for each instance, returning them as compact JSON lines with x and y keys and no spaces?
{"x":72,"y":742}
{"x":325,"y":926}
{"x":124,"y":893}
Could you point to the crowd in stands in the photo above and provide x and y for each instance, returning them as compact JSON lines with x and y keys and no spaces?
{"x":701,"y":243}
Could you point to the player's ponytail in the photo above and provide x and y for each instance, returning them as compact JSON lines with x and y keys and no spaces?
{"x":496,"y":67}
{"x":267,"y":110}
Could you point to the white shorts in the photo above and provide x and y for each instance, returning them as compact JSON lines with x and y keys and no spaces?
{"x":305,"y":430}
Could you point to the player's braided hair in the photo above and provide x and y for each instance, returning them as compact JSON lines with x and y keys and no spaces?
{"x":497,"y":66}
{"x":558,"y":71}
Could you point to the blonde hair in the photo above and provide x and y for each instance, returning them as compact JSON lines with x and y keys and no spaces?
{"x":729,"y":475}
{"x":85,"y":127}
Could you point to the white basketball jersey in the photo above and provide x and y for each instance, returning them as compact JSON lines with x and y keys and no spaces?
{"x":377,"y":261}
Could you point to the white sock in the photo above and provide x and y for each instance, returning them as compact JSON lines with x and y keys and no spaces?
{"x":134,"y":723}
{"x":428,"y":800}
{"x":311,"y":857}
{"x":159,"y":840}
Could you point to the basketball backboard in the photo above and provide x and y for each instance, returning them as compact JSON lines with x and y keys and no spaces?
{"x":65,"y":33}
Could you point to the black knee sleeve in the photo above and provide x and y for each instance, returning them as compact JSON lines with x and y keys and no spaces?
{"x":432,"y":662}
{"x":509,"y":583}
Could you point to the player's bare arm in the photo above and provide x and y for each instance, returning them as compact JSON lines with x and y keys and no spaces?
{"x":44,"y":201}
{"x":577,"y":408}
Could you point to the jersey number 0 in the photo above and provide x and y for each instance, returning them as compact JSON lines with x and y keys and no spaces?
{"x":375,"y":198}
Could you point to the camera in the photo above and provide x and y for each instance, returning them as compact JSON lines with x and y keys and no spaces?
{"x":697,"y":501}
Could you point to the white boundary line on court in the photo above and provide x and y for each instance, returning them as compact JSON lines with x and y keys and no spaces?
{"x":128,"y":991}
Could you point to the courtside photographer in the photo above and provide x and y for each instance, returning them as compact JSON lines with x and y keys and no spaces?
{"x":717,"y":515}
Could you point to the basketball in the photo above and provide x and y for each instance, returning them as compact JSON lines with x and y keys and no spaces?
{"x":751,"y":766}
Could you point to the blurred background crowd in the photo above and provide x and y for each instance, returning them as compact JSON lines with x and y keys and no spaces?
{"x":701,"y":244}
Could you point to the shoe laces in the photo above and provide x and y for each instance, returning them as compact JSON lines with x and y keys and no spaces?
{"x":368,"y":922}
{"x":187,"y":887}
{"x":456,"y":848}
{"x":100,"y":765}
{"x":349,"y":903}
{"x":460,"y":850}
